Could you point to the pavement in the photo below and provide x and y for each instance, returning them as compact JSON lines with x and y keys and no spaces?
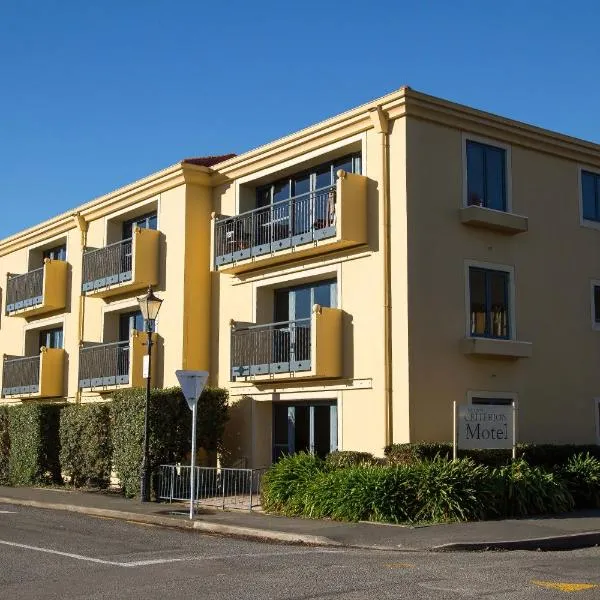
{"x":562,"y":532}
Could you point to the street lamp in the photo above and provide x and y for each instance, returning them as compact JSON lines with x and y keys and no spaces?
{"x":149,"y":307}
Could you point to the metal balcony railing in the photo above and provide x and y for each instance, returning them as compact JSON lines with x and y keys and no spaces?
{"x":283,"y":347}
{"x":107,"y":266}
{"x":26,"y":290}
{"x":104,"y":364}
{"x":289,"y":223}
{"x":21,"y":375}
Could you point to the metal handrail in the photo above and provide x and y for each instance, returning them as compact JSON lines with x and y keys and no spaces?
{"x":21,"y":375}
{"x":108,"y":265}
{"x":23,"y":287}
{"x":102,"y":364}
{"x":276,"y":324}
{"x":92,"y":250}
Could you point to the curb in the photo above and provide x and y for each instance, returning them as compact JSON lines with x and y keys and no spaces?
{"x":203,"y":526}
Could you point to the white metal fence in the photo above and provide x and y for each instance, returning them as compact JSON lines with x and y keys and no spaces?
{"x":216,"y":487}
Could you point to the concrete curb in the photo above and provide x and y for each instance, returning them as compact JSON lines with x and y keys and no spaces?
{"x":203,"y":526}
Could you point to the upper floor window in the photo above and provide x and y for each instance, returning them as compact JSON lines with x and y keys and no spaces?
{"x":489,"y":303}
{"x":51,"y":338}
{"x":590,"y":196}
{"x":486,"y":176}
{"x":317,"y":178}
{"x":148,"y":221}
{"x":56,"y":253}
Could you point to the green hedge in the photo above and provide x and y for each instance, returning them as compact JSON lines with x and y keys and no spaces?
{"x":169,"y":426}
{"x":541,"y":455}
{"x":4,"y":445}
{"x":85,"y":444}
{"x":427,"y":491}
{"x":34,"y":444}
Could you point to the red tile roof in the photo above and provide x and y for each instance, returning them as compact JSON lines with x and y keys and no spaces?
{"x":207,"y":161}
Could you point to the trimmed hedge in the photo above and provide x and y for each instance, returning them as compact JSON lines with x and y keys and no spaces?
{"x":540,"y":455}
{"x":4,"y":445}
{"x":86,"y":444}
{"x":169,"y":423}
{"x":34,"y":444}
{"x":426,"y":491}
{"x":341,"y":459}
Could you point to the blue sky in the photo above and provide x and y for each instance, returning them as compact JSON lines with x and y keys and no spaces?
{"x":94,"y":95}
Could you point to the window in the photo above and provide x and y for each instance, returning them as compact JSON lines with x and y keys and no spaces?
{"x":491,"y":401}
{"x":596,"y":304}
{"x":486,"y":176}
{"x":590,"y":196}
{"x":489,"y":303}
{"x":128,"y":322}
{"x":56,"y":253}
{"x":597,"y":418}
{"x":51,"y":338}
{"x":148,"y":221}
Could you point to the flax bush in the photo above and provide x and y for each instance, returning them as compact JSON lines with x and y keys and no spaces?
{"x":581,"y":474}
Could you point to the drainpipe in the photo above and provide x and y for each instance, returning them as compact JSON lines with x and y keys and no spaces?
{"x":381,"y":123}
{"x":82,"y":225}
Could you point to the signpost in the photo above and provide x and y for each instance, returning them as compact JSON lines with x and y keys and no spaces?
{"x":488,"y":426}
{"x":192,"y":383}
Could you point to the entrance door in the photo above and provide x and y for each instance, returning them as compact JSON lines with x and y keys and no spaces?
{"x":304,"y":427}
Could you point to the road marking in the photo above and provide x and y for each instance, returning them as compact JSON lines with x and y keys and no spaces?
{"x":8,"y":512}
{"x":400,"y":565}
{"x":158,"y":561}
{"x":565,"y":587}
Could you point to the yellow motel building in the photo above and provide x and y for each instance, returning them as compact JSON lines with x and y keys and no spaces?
{"x":346,"y":283}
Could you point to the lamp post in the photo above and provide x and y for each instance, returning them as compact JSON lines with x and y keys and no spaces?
{"x":149,"y":307}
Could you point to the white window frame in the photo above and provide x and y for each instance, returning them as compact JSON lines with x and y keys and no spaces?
{"x":512,"y":316}
{"x":585,"y":222}
{"x":593,"y":284}
{"x":508,"y":174}
{"x":597,"y":418}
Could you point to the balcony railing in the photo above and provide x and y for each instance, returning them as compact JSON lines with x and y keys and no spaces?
{"x":25,"y":290}
{"x":286,"y":224}
{"x":283,"y":347}
{"x":21,"y":375}
{"x":107,"y":266}
{"x":104,"y":364}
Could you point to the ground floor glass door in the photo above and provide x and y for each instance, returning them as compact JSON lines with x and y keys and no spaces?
{"x":304,"y":427}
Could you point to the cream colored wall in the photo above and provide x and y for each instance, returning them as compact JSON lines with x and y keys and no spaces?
{"x":553,"y":262}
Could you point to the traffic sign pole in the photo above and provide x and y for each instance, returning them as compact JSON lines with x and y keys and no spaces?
{"x":193,"y":461}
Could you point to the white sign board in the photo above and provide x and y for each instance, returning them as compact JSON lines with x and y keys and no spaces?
{"x":192,"y":383}
{"x":485,"y":426}
{"x":145,"y":366}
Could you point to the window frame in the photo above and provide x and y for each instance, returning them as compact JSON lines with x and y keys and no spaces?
{"x":594,"y":283}
{"x":512,"y":321}
{"x":582,"y":220}
{"x":467,"y":137}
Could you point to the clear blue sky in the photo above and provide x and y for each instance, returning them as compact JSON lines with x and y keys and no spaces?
{"x":94,"y":95}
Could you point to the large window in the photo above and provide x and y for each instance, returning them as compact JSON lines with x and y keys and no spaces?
{"x":148,"y":221}
{"x":128,"y":322}
{"x":590,"y":196}
{"x":51,"y":338}
{"x":56,"y":253}
{"x":486,"y":176}
{"x":489,"y":303}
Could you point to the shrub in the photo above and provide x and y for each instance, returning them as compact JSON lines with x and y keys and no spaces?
{"x":582,"y":476}
{"x":4,"y":445}
{"x":526,"y":490}
{"x":34,"y":444}
{"x":85,"y":444}
{"x":342,"y":459}
{"x":169,"y":424}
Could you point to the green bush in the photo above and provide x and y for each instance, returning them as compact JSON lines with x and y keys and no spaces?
{"x":34,"y":444}
{"x":582,"y":477}
{"x":342,"y":459}
{"x":169,"y":423}
{"x":85,"y":444}
{"x":4,"y":445}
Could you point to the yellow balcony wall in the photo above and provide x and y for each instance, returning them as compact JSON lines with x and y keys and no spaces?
{"x":303,"y":349}
{"x":38,"y":292}
{"x":308,"y":225}
{"x":40,"y":376}
{"x":116,"y":365}
{"x":122,"y":267}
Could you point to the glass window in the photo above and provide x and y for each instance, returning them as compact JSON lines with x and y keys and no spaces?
{"x":597,"y":304}
{"x":489,"y":309}
{"x":51,"y":338}
{"x":590,"y":196}
{"x":297,"y":302}
{"x":56,"y":253}
{"x":486,"y":176}
{"x":128,"y":322}
{"x":148,"y":221}
{"x":492,"y":401}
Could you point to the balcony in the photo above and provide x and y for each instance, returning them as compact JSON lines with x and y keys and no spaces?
{"x":118,"y":364}
{"x":305,"y":348}
{"x":39,"y":376}
{"x":310,"y":224}
{"x":122,"y":267}
{"x":37,"y":292}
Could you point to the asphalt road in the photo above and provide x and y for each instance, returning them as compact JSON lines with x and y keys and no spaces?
{"x":47,"y":554}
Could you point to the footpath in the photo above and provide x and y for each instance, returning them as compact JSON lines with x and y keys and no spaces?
{"x":562,"y":532}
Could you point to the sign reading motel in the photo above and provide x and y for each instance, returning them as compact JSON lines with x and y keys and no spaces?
{"x":485,"y":426}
